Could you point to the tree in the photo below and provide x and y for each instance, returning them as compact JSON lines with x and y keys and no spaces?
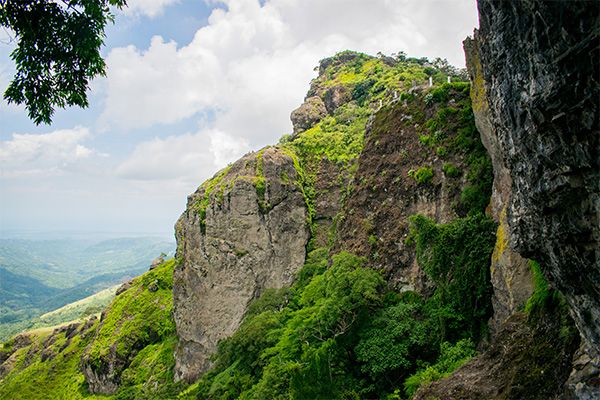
{"x":57,"y":53}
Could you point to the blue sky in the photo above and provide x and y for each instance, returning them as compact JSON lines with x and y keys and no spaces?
{"x":191,"y":86}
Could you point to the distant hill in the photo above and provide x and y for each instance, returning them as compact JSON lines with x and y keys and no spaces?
{"x":38,"y":276}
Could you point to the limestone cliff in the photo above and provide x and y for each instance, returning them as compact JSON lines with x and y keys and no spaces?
{"x":242,"y":232}
{"x":534,"y":72}
{"x":540,"y":70}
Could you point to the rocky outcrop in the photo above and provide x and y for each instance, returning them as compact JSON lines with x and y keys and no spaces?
{"x":533,"y":91}
{"x":308,"y":114}
{"x":524,"y":362}
{"x":539,"y":63}
{"x":510,"y":273}
{"x":584,"y":381}
{"x":388,"y":188}
{"x":138,"y":317}
{"x":242,"y":232}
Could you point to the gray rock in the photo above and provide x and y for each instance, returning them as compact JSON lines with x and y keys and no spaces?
{"x":584,"y":381}
{"x":247,"y":242}
{"x":335,"y":97}
{"x":540,"y":63}
{"x":308,"y":114}
{"x":510,"y":273}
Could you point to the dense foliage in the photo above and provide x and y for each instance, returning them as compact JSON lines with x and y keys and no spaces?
{"x":455,"y":257}
{"x":340,"y":333}
{"x":58,"y":51}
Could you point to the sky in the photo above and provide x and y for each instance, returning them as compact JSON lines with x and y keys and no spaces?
{"x":191,"y":86}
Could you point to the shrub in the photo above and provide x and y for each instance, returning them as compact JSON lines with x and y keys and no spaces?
{"x":451,"y":358}
{"x":455,"y":256}
{"x":422,"y":175}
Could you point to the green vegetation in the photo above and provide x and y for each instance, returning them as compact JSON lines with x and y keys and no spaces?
{"x":136,"y":334}
{"x":452,"y":131}
{"x":72,"y":312}
{"x":422,"y":176}
{"x":138,"y":317}
{"x":51,"y":374}
{"x":451,"y":357}
{"x":451,"y":170}
{"x":215,"y":183}
{"x":368,"y":82}
{"x":57,"y":56}
{"x":543,"y":295}
{"x":339,"y":333}
{"x":455,"y":256}
{"x":40,"y":276}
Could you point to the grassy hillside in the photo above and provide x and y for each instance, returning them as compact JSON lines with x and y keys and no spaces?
{"x":137,"y":329}
{"x":41,"y":276}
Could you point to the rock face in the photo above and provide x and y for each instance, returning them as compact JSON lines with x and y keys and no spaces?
{"x":540,"y":63}
{"x":510,"y":273}
{"x":308,"y":114}
{"x":386,"y":191}
{"x":243,"y":231}
{"x":524,"y":362}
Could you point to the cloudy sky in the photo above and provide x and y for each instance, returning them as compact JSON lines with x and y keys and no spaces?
{"x":191,"y":85}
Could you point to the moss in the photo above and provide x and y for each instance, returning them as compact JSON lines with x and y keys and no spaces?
{"x":209,"y":186}
{"x":478,"y":92}
{"x":541,"y":289}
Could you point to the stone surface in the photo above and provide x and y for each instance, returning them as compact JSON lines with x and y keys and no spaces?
{"x":510,"y":273}
{"x":308,"y":114}
{"x":540,"y":63}
{"x":510,"y":276}
{"x":374,"y":221}
{"x":245,"y":245}
{"x":584,"y":381}
{"x":525,"y":362}
{"x":335,"y":97}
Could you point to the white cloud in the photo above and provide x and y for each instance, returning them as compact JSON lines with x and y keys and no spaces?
{"x":188,"y":158}
{"x":44,"y":154}
{"x":252,"y":63}
{"x":150,"y":8}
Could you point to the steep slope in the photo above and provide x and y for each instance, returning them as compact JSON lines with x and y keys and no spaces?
{"x":129,"y":350}
{"x":535,"y":95}
{"x":247,"y":229}
{"x":421,"y":155}
{"x":244,"y":230}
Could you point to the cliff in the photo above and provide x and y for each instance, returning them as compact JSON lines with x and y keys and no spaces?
{"x":534,"y":69}
{"x":405,"y":240}
{"x":244,"y":231}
